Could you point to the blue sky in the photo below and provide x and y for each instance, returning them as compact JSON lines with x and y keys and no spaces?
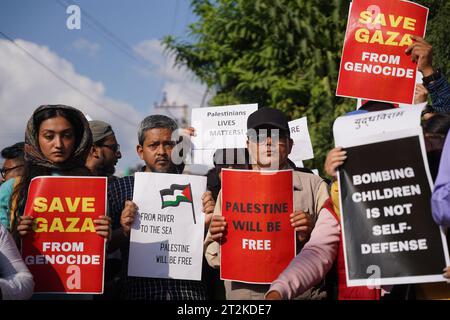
{"x":89,"y":60}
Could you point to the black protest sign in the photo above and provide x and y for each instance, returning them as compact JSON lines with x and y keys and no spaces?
{"x":386,"y":212}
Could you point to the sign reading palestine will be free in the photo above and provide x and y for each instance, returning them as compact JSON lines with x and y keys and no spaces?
{"x":260,"y":241}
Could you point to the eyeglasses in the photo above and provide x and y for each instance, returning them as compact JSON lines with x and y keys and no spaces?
{"x":263,"y":135}
{"x":4,"y":171}
{"x":114,"y":147}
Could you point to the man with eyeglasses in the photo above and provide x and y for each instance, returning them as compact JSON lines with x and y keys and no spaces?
{"x":14,"y":162}
{"x":101,"y":161}
{"x":269,"y":144}
{"x":105,"y":151}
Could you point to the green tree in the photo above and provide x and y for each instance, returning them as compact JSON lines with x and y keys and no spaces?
{"x":438,"y":32}
{"x":281,"y":53}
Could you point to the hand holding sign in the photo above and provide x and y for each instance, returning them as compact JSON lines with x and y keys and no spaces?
{"x":447,"y":272}
{"x":273,"y":295}
{"x":420,"y":94}
{"x":127,"y":216}
{"x":208,"y":206}
{"x":301,"y":222}
{"x":422,"y":53}
{"x":25,"y":225}
{"x":189,"y":132}
{"x":103,"y":227}
{"x":335,"y":158}
{"x":217,"y":229}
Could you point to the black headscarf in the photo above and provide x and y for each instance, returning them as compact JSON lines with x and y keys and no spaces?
{"x":33,"y":153}
{"x":36,"y":164}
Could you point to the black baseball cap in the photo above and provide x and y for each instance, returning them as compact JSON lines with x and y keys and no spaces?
{"x":373,"y":105}
{"x":268,"y":118}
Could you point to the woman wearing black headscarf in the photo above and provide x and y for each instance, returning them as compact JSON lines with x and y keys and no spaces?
{"x":57,"y":142}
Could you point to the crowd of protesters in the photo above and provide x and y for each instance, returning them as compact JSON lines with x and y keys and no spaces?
{"x":60,"y":141}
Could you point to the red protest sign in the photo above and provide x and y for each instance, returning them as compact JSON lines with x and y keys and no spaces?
{"x":260,"y":241}
{"x":374,"y":65}
{"x":63,"y":252}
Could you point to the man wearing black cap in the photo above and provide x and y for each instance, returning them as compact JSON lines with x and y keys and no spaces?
{"x":269,"y":145}
{"x":269,"y":142}
{"x":105,"y":151}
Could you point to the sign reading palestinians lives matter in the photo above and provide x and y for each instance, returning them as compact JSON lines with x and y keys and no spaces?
{"x":373,"y":59}
{"x":260,"y":241}
{"x":167,"y":233}
{"x":302,"y":148}
{"x":63,"y":252}
{"x":385,"y":191}
{"x":219,"y":128}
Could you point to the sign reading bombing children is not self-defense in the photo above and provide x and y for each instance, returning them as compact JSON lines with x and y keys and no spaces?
{"x":373,"y":58}
{"x":259,"y":242}
{"x":385,"y":191}
{"x":63,"y":252}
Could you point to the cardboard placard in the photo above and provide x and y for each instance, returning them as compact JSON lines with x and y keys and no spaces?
{"x":374,"y":65}
{"x":167,"y":234}
{"x":385,"y":191}
{"x":260,"y":241}
{"x":63,"y":252}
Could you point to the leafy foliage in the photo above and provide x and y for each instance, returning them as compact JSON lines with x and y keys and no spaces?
{"x":438,"y":32}
{"x":278,"y":53}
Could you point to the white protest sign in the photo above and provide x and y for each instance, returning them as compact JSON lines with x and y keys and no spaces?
{"x":167,"y":233}
{"x":298,"y":163}
{"x":204,"y":157}
{"x":302,"y":148}
{"x":375,"y":126}
{"x":220,"y":128}
{"x":384,"y":192}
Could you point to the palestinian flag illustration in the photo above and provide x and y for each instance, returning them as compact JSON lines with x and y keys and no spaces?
{"x":175,"y":195}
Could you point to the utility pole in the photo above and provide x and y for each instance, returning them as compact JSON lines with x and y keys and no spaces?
{"x":179,"y":113}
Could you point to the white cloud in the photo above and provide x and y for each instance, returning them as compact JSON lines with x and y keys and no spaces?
{"x":179,"y":83}
{"x":84,"y":45}
{"x":24,"y":85}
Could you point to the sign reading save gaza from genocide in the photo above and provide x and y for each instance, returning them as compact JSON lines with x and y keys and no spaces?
{"x":63,"y":252}
{"x":373,"y":58}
